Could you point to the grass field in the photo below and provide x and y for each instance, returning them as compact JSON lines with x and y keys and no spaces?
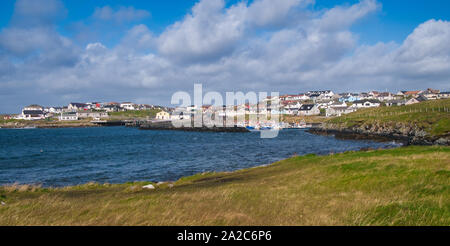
{"x":134,"y":114}
{"x":49,"y":122}
{"x":403,"y":186}
{"x":432,"y":116}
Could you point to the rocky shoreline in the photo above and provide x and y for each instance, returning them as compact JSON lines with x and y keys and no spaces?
{"x":404,"y":133}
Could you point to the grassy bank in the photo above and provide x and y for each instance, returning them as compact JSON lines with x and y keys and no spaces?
{"x":404,"y":186}
{"x":431,"y":116}
{"x":134,"y":114}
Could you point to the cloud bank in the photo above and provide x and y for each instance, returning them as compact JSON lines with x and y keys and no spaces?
{"x":263,"y":46}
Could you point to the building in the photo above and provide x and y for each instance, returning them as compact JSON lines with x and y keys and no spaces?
{"x":128,"y":106}
{"x":68,"y":116}
{"x":111,"y":107}
{"x":32,"y":115}
{"x":92,"y":114}
{"x":308,"y":110}
{"x":32,"y":112}
{"x":34,"y":107}
{"x":163,"y":115}
{"x":180,"y":115}
{"x":443,"y":95}
{"x":55,"y":110}
{"x":338,"y":110}
{"x":326,"y":93}
{"x":411,"y":93}
{"x":399,"y":102}
{"x":349,"y":98}
{"x":77,"y":106}
{"x":301,"y":97}
{"x":366,"y":103}
{"x":411,"y":101}
{"x":430,"y":94}
{"x":385,"y":96}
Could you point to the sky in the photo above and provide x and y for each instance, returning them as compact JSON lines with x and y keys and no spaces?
{"x":53,"y":52}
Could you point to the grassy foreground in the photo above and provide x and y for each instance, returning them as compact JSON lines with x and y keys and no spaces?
{"x":404,"y":186}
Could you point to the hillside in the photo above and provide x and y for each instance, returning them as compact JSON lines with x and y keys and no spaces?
{"x":427,"y":122}
{"x":403,"y":186}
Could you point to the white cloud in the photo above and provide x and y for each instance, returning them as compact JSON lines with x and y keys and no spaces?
{"x":208,"y":33}
{"x":212,"y":31}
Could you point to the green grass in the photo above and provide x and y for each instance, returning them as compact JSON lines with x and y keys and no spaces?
{"x":403,"y":186}
{"x":432,"y":116}
{"x":134,"y":114}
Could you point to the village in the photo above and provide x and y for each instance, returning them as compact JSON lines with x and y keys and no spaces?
{"x":324,"y":103}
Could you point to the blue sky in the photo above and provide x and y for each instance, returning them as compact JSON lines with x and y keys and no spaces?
{"x":56,"y":51}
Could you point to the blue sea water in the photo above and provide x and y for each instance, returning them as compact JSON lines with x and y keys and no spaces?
{"x":70,"y":156}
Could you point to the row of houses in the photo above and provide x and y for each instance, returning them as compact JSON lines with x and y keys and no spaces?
{"x":75,"y":111}
{"x":327,"y":95}
{"x":313,"y":103}
{"x":324,"y":102}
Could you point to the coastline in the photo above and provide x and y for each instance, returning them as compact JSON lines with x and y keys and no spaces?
{"x":412,"y":136}
{"x":46,"y":125}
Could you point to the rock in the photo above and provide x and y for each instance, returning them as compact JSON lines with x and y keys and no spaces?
{"x":150,"y":186}
{"x":3,"y":203}
{"x":442,"y":141}
{"x":170,"y":185}
{"x":160,"y":183}
{"x":421,"y":133}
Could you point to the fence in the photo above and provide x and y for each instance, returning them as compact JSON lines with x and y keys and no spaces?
{"x":359,"y":115}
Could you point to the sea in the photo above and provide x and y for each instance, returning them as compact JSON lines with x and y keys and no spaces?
{"x":72,"y":156}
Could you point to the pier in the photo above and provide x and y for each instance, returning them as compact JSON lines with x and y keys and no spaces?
{"x":167,"y":125}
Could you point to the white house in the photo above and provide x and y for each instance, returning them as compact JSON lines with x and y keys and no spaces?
{"x":308,"y":110}
{"x":128,"y":106}
{"x":326,"y":93}
{"x":444,"y":94}
{"x":293,"y":105}
{"x":338,"y":110}
{"x":399,"y":102}
{"x":367,"y":103}
{"x":180,"y":115}
{"x":68,"y":116}
{"x":385,"y":96}
{"x":92,"y":114}
{"x":33,"y":107}
{"x":111,"y":108}
{"x":163,"y":115}
{"x":32,"y":112}
{"x":55,"y":110}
